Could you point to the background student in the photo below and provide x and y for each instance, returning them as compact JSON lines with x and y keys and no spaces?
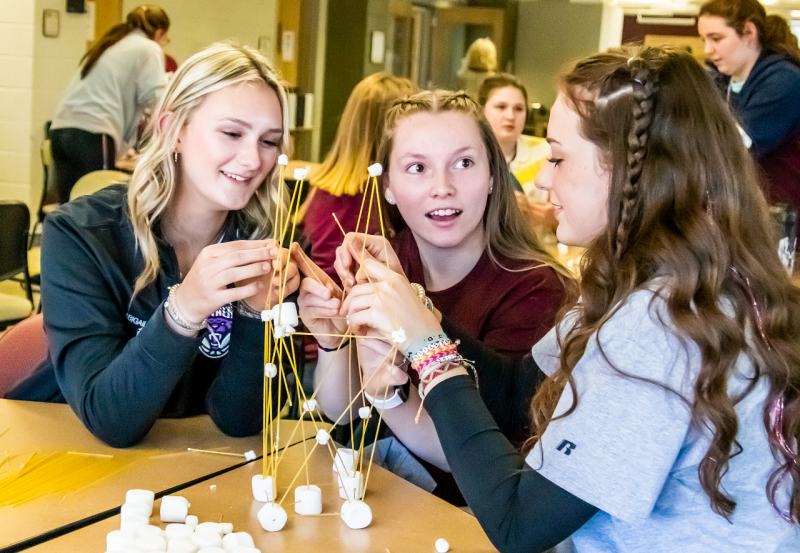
{"x":505,"y":105}
{"x":762,"y":88}
{"x":120,"y":76}
{"x":154,"y":291}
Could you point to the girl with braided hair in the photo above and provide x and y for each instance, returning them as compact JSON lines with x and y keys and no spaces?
{"x":668,"y":413}
{"x":458,"y":234}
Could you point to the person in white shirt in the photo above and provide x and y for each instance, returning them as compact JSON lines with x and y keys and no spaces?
{"x":120,"y":76}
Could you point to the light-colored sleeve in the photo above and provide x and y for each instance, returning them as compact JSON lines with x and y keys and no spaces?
{"x":152,"y":78}
{"x":617,"y":448}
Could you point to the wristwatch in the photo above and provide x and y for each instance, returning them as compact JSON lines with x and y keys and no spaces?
{"x":398,"y":398}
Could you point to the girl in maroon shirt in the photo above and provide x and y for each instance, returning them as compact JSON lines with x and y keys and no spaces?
{"x":457,"y":231}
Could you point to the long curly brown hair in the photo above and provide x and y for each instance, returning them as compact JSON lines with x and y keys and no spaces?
{"x":684,"y":203}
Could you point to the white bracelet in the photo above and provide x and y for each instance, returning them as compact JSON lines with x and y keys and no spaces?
{"x":398,"y":398}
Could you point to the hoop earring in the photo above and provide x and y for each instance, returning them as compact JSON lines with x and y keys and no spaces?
{"x":175,"y":156}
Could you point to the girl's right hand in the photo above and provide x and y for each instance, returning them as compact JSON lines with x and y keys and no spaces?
{"x":319,"y":311}
{"x":206,"y":287}
{"x":353,"y":248}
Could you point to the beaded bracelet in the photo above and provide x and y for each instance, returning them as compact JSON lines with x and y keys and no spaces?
{"x":171,"y":305}
{"x":419,"y":347}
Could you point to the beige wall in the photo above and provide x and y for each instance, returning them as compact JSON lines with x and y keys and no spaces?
{"x":16,"y":92}
{"x":197,"y":23}
{"x":34,"y":71}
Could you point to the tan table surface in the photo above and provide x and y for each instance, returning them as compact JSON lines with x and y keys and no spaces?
{"x":404,"y":517}
{"x":161,"y":461}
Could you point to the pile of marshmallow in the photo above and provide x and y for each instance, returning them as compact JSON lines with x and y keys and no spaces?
{"x":184,"y":534}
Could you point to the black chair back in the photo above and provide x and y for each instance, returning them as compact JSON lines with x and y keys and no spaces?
{"x":15,"y":221}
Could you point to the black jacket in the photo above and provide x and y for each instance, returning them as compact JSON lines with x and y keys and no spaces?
{"x":115,"y":359}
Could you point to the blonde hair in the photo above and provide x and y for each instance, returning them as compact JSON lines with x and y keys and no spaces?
{"x":154,"y":180}
{"x":344,"y":170}
{"x":508,"y":233}
{"x":482,"y":56}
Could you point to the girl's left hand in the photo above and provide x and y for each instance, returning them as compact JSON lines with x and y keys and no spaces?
{"x":387,"y":304}
{"x":381,"y":370}
{"x":282,"y":269}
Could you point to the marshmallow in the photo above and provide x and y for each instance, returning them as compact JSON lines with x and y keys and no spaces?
{"x":442,"y":546}
{"x":284,"y":319}
{"x":351,"y":487}
{"x":323,"y":436}
{"x":131,"y":523}
{"x":283,"y":159}
{"x":226,"y":527}
{"x":210,"y":527}
{"x":206,"y":538}
{"x":143,"y":497}
{"x":264,"y":488}
{"x":174,"y":508}
{"x":356,"y":514}
{"x":151,"y":543}
{"x":375,"y":170}
{"x":118,"y":539}
{"x":310,"y":405}
{"x":174,"y":531}
{"x":137,"y":509}
{"x":191,"y":521}
{"x":300,"y":174}
{"x":344,"y":460}
{"x":307,"y":500}
{"x":283,"y":331}
{"x":272,"y":517}
{"x":266,"y":315}
{"x":212,"y":550}
{"x":181,"y":545}
{"x":399,"y":336}
{"x":243,"y":549}
{"x":237,"y":539}
{"x":363,"y":412}
{"x":250,"y":455}
{"x":270,"y":370}
{"x":149,"y":530}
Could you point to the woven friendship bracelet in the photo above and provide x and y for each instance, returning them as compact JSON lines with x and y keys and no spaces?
{"x":434,"y":355}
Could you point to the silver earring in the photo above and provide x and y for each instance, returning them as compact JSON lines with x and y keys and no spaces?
{"x":175,"y":156}
{"x":388,"y":199}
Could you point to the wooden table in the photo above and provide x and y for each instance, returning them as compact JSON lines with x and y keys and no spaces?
{"x":405,"y":518}
{"x":160,"y":462}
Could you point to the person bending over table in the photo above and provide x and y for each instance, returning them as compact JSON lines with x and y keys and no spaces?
{"x":120,"y":77}
{"x":459,"y":236}
{"x":668,"y":417}
{"x":153,"y":292}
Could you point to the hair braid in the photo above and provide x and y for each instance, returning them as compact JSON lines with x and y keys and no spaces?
{"x":644,"y":87}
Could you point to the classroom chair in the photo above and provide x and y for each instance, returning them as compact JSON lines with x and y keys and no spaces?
{"x":14,"y":261}
{"x":23,"y":349}
{"x":97,"y":180}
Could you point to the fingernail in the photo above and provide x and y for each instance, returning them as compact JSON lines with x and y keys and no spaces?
{"x":266,"y":266}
